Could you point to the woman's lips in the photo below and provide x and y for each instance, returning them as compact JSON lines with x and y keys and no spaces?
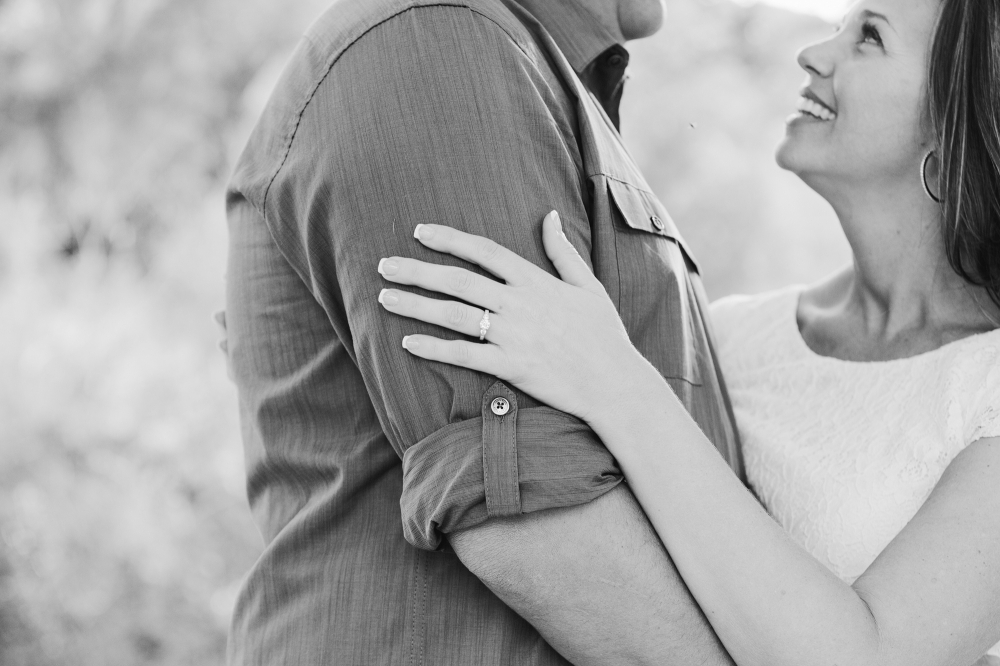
{"x":814,"y":109}
{"x":812,"y":105}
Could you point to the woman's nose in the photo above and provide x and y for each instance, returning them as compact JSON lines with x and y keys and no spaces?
{"x":818,"y":58}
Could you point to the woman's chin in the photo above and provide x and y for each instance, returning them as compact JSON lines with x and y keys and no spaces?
{"x":784,"y":154}
{"x":799,"y":154}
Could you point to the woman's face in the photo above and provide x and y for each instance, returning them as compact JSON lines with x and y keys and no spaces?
{"x":861,"y":118}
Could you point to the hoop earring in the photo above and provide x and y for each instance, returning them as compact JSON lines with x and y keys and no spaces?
{"x":923,"y":178}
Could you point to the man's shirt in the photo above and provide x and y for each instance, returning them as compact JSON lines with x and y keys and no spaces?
{"x":361,"y":457}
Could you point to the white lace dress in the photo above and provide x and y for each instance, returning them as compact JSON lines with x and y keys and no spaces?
{"x":842,"y":453}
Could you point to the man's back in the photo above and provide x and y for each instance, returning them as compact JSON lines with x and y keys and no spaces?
{"x":393,"y":113}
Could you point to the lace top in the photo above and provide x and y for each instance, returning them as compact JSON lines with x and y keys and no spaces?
{"x":842,"y":453}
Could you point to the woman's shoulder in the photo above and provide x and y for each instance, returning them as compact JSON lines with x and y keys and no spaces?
{"x":742,"y":317}
{"x":974,"y":380}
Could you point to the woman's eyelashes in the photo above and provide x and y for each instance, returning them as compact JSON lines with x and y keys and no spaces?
{"x":870,"y":34}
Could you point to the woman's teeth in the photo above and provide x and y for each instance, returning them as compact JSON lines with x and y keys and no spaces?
{"x":815,"y":109}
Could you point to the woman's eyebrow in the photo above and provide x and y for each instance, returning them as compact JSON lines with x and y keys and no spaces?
{"x":869,"y":14}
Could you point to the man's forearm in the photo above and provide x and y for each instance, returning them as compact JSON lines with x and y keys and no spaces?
{"x":595,"y":581}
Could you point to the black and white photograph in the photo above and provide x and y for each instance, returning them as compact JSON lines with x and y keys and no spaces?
{"x":500,"y":333}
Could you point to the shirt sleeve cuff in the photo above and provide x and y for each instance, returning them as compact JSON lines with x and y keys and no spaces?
{"x":506,"y":462}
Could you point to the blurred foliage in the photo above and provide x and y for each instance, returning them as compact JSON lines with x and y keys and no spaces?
{"x":118,"y":110}
{"x":124,"y":530}
{"x":122,"y":511}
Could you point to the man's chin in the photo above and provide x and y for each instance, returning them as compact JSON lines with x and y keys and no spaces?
{"x":640,"y":18}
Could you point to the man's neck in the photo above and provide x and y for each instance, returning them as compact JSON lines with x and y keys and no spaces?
{"x":580,"y":33}
{"x":592,"y":46}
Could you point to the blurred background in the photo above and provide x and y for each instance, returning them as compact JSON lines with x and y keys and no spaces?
{"x":124,"y":530}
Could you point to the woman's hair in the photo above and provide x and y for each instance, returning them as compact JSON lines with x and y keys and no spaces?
{"x":964,"y":99}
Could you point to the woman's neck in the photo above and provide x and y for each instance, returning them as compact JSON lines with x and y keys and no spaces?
{"x":901,"y":296}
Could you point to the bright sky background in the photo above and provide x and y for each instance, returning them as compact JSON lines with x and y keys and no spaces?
{"x":832,"y":10}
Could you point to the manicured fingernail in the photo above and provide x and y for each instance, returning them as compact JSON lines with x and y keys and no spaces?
{"x":423,"y":232}
{"x":388,"y":267}
{"x":555,"y":216}
{"x":387,"y":297}
{"x":409,"y":342}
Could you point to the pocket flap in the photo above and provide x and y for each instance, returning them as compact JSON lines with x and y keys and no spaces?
{"x":643,"y":211}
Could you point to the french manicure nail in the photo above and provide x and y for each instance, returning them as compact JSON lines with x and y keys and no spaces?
{"x":388,"y":267}
{"x":423,"y":232}
{"x":555,"y":216}
{"x":410,"y":343}
{"x":386,"y":297}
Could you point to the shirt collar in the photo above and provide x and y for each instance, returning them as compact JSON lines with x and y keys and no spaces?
{"x":580,"y":35}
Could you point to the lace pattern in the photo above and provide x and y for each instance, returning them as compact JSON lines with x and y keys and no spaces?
{"x":843,"y":454}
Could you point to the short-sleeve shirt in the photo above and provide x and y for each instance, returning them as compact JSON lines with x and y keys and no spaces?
{"x":360,"y":457}
{"x":843,"y":454}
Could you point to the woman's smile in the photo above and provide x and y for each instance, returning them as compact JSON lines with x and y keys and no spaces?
{"x":811,"y":107}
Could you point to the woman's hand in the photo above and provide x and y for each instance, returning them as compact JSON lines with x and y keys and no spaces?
{"x":560,"y":341}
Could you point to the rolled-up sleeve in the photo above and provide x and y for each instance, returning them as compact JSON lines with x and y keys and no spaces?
{"x":530,"y":459}
{"x":438,"y":115}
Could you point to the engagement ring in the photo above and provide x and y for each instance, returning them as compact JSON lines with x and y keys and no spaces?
{"x":484,"y":325}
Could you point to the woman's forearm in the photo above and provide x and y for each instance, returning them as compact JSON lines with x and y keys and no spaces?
{"x":770,"y":602}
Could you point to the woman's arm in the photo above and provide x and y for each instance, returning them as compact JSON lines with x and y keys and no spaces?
{"x":932,"y":597}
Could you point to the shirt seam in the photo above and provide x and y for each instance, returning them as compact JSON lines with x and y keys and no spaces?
{"x":336,"y":58}
{"x":625,"y":182}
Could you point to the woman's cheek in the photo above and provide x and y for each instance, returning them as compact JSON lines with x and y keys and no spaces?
{"x":892,"y":126}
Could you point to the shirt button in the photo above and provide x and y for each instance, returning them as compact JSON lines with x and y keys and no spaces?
{"x":500,"y":406}
{"x":657,"y":222}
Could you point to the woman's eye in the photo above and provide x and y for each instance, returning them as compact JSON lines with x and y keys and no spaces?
{"x":869,"y":33}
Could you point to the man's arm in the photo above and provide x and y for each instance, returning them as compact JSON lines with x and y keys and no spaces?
{"x":596,"y":582}
{"x":439,"y":115}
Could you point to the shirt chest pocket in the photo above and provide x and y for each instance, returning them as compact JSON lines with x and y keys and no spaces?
{"x":657,"y":299}
{"x":653,"y":271}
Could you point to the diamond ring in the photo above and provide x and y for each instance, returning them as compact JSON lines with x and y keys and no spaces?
{"x":484,"y":325}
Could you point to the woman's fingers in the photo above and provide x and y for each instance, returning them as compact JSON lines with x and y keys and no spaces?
{"x":489,"y":254}
{"x":482,"y":358}
{"x":450,"y":280}
{"x":452,"y":315}
{"x":571,"y":266}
